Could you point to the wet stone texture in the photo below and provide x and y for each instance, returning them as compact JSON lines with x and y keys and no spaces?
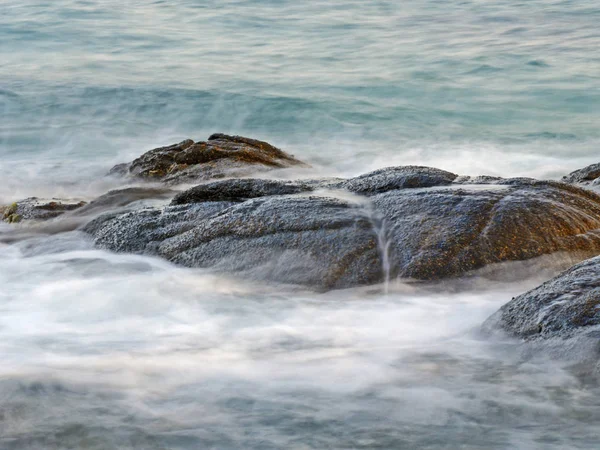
{"x":219,"y":157}
{"x":562,"y":307}
{"x":329,"y":234}
{"x":560,"y":318}
{"x":587,"y":175}
{"x":35,"y":208}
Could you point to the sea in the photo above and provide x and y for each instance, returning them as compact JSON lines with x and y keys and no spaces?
{"x":117,"y":351}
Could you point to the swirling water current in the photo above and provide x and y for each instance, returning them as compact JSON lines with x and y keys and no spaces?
{"x":103,"y":351}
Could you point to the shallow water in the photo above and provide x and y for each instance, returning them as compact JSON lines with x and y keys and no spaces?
{"x":120,"y":351}
{"x":108,"y":351}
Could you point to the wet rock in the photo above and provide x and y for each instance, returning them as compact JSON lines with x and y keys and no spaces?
{"x":403,"y":177}
{"x":481,"y":179}
{"x":585,"y":176}
{"x":35,"y":208}
{"x":564,"y":307}
{"x":240,"y":190}
{"x":219,"y":157}
{"x":119,"y":198}
{"x":70,"y":216}
{"x":559,"y":319}
{"x":333,"y":234}
{"x":437,"y":233}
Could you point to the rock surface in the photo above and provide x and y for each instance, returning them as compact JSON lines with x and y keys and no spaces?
{"x":337,"y":233}
{"x":35,"y":208}
{"x":585,"y":176}
{"x":70,"y":216}
{"x":219,"y":157}
{"x":564,"y":307}
{"x":560,"y":318}
{"x":119,"y":198}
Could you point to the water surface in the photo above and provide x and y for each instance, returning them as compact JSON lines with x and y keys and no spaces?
{"x":109,"y":351}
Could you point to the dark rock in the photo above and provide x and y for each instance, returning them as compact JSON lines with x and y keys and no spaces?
{"x":119,"y":198}
{"x":219,"y":157}
{"x":438,"y":233}
{"x":34,"y":208}
{"x":560,"y":318}
{"x":238,"y":190}
{"x":482,"y":179}
{"x":281,"y":231}
{"x":403,"y":177}
{"x":305,"y":240}
{"x":587,"y":175}
{"x":563,"y":307}
{"x":71,"y":216}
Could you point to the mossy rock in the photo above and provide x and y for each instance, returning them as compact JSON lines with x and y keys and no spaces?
{"x":34,"y":208}
{"x":13,"y":218}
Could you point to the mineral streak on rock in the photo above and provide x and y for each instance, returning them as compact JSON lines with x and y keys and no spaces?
{"x":218,"y":157}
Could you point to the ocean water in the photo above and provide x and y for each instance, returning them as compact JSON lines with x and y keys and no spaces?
{"x":103,"y":351}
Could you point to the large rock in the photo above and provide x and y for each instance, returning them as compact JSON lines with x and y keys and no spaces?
{"x":585,"y":176}
{"x":219,"y":157}
{"x":398,"y":222}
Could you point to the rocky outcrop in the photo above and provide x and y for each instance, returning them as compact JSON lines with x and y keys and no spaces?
{"x":587,"y":175}
{"x":337,"y":233}
{"x":219,"y":157}
{"x":35,"y":208}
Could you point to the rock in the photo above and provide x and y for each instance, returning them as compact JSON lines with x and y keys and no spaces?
{"x":323,"y":234}
{"x":436,"y":233}
{"x":560,"y":318}
{"x":219,"y":157}
{"x":239,"y":190}
{"x":563,"y":307}
{"x":119,"y":198}
{"x":70,"y":215}
{"x":34,"y":208}
{"x":587,"y":175}
{"x":403,"y":177}
{"x":482,"y":179}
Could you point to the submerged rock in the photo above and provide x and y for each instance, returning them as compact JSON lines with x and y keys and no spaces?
{"x":585,"y":176}
{"x":219,"y":157}
{"x":35,"y":208}
{"x":397,"y":222}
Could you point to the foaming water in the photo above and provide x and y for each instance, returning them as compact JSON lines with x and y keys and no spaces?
{"x":120,"y":351}
{"x":108,"y":351}
{"x":504,"y":88}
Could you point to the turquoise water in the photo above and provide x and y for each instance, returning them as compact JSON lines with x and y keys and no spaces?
{"x":104,"y":351}
{"x":506,"y":87}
